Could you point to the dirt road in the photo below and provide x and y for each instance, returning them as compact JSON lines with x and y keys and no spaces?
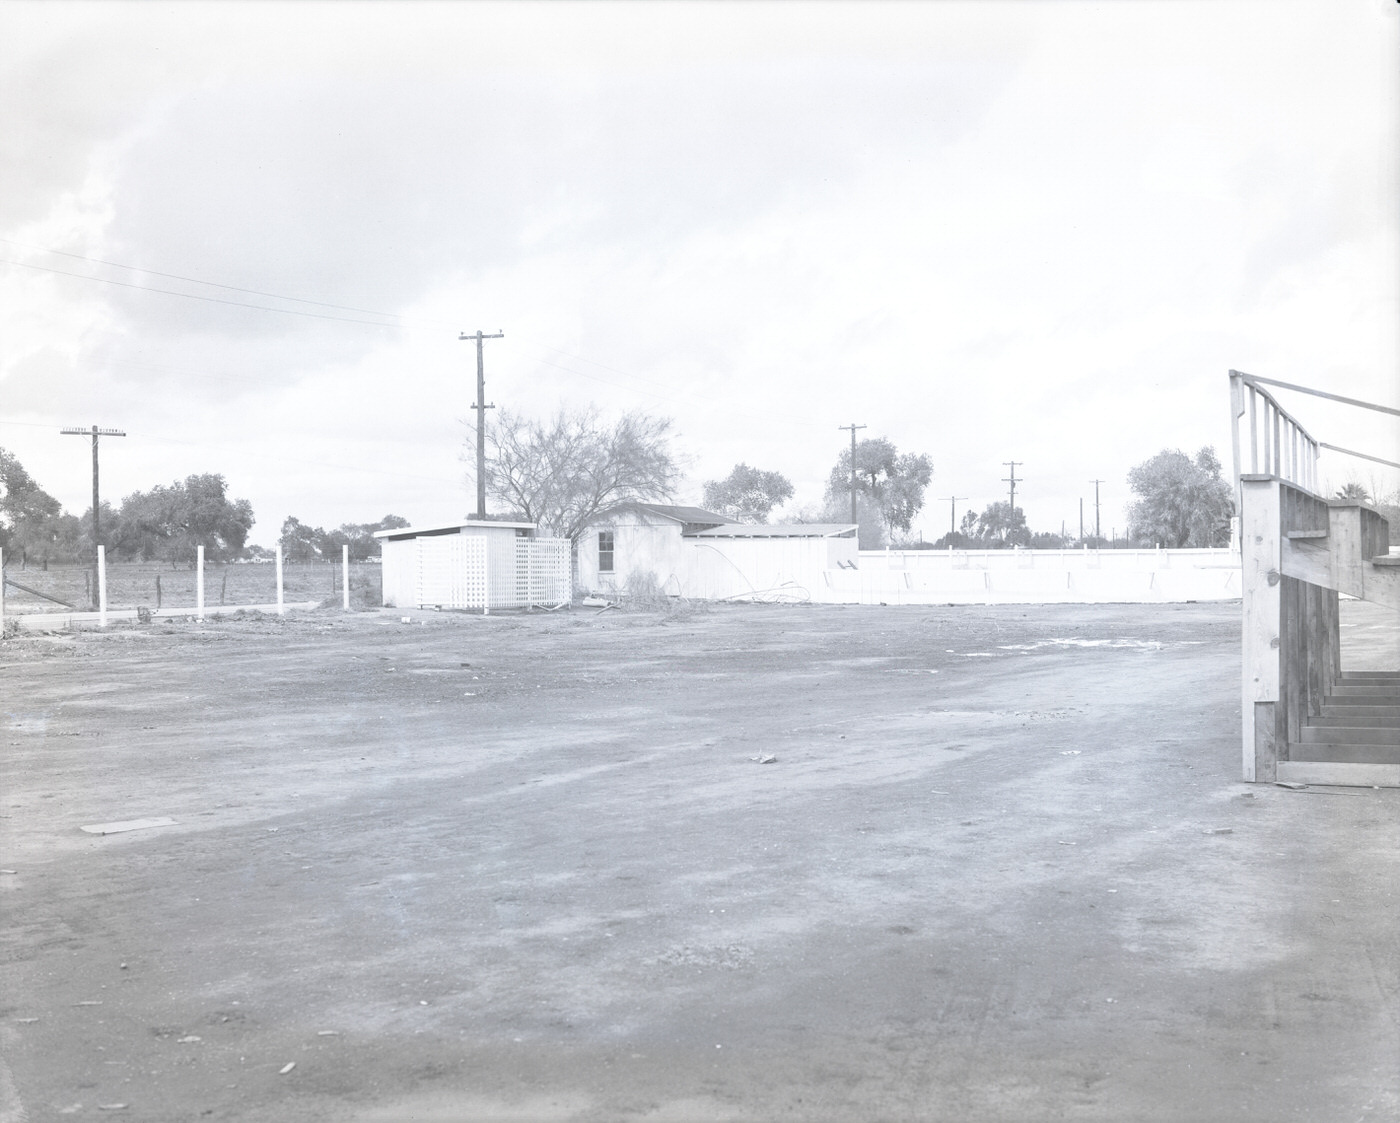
{"x":1000,"y":867}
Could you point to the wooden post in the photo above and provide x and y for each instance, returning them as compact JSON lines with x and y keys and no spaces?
{"x":345,"y":577}
{"x":199,"y":581}
{"x":101,"y":586}
{"x":1261,"y":589}
{"x":2,"y":594}
{"x":280,"y":609}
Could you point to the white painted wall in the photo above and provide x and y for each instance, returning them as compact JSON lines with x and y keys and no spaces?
{"x":1035,"y":577}
{"x":710,"y":568}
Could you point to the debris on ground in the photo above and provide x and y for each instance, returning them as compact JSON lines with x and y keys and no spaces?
{"x":764,"y":758}
{"x":1218,"y":830}
{"x":1290,"y":785}
{"x":286,"y":1068}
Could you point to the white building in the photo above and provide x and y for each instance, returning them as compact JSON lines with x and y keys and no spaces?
{"x":473,"y":564}
{"x":694,"y":553}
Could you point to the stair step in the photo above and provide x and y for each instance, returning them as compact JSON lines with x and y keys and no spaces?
{"x":1380,"y":691}
{"x":1360,"y":710}
{"x":1386,"y":560}
{"x":1351,"y":717}
{"x":1345,"y":754}
{"x":1361,"y":678}
{"x":1349,"y":735}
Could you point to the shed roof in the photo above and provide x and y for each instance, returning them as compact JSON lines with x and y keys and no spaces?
{"x":448,"y":528}
{"x":781,"y":530}
{"x":680,"y":514}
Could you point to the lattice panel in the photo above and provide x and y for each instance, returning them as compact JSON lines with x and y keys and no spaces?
{"x":542,"y":571}
{"x":452,"y":571}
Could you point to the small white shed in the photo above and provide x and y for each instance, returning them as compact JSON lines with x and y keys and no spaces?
{"x":473,"y":564}
{"x":696,"y":553}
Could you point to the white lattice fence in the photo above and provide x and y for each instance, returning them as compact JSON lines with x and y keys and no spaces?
{"x":451,"y":571}
{"x":542,"y":571}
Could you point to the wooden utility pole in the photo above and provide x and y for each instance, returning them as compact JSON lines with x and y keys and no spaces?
{"x":1096,"y":506}
{"x":1012,"y":482}
{"x":481,"y":407}
{"x":94,"y":433}
{"x":953,"y":514}
{"x":855,"y":518}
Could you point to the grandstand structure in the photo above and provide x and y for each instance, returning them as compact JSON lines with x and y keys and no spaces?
{"x":1306,"y":718}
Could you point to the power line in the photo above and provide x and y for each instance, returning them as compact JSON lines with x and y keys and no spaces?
{"x":196,"y":296}
{"x":191,"y":280}
{"x":1096,"y":506}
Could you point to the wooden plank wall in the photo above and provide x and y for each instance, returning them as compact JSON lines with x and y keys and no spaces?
{"x":1290,"y":637}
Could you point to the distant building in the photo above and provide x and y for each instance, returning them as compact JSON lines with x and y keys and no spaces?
{"x":695,"y":553}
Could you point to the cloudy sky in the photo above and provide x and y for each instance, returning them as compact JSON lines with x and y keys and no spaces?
{"x":1042,"y":231}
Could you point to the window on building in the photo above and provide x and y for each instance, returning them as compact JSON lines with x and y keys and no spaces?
{"x":605,"y":551}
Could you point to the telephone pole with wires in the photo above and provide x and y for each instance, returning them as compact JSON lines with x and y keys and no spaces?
{"x":855,"y":518}
{"x":1096,"y":506}
{"x":952,"y":515}
{"x":1012,"y":481}
{"x":95,"y":432}
{"x":481,"y":406}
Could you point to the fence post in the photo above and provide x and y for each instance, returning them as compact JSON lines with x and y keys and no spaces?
{"x":199,"y":581}
{"x":345,"y":577}
{"x":280,"y":608}
{"x":101,"y":586}
{"x":2,"y":593}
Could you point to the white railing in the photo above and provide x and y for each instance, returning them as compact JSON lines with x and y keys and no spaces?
{"x":1278,"y":444}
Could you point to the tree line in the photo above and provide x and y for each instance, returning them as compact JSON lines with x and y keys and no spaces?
{"x":567,"y":471}
{"x":167,"y":523}
{"x":564,"y":472}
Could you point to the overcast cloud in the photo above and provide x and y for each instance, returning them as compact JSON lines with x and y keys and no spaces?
{"x":1039,"y":232}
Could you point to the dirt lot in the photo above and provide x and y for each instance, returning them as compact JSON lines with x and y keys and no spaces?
{"x":528,"y":867}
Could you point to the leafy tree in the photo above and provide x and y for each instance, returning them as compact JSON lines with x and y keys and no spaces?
{"x":170,"y":522}
{"x":999,"y":526}
{"x":562,"y":473}
{"x":893,"y":483}
{"x":1181,"y":501}
{"x":28,"y":514}
{"x":303,"y":543}
{"x":747,"y":495}
{"x":300,"y":543}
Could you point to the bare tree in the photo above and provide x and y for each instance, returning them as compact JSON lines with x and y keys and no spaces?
{"x":561,"y":473}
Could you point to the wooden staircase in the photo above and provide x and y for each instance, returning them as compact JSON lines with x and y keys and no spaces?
{"x":1358,"y":727}
{"x":1303,"y":719}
